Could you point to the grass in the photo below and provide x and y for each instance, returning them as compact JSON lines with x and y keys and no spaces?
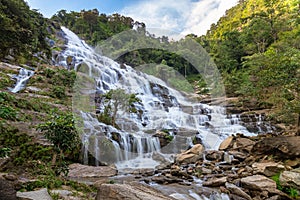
{"x":292,"y":192}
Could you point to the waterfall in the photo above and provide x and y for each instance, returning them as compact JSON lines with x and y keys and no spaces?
{"x":161,"y":108}
{"x":21,"y":79}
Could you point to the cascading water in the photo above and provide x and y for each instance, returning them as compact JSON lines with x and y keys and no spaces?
{"x":21,"y":79}
{"x":160,"y":108}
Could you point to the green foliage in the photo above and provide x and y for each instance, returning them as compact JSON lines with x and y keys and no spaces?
{"x":169,"y":137}
{"x":92,"y":26}
{"x":256,"y":47}
{"x":58,"y":92}
{"x":114,"y":101}
{"x":292,"y":192}
{"x":4,"y":152}
{"x":276,"y":179}
{"x":61,"y":131}
{"x":23,"y":31}
{"x":7,"y":112}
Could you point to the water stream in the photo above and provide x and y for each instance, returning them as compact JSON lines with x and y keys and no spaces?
{"x":160,"y":108}
{"x":21,"y":79}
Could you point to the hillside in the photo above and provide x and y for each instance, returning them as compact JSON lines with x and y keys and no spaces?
{"x":256,"y":47}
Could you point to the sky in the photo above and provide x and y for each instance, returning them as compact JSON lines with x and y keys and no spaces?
{"x":162,"y":17}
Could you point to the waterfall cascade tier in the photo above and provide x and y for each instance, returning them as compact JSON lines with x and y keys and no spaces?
{"x":160,"y":109}
{"x":21,"y":79}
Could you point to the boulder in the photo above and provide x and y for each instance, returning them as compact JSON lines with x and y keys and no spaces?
{"x":7,"y":191}
{"x":192,"y":155}
{"x":215,"y":182}
{"x":267,"y":168}
{"x":281,"y":146}
{"x":290,"y":178}
{"x":237,"y":191}
{"x":226,"y":143}
{"x":258,"y":182}
{"x":35,"y":195}
{"x":243,"y":144}
{"x":90,"y":173}
{"x":214,"y":155}
{"x":129,"y":191}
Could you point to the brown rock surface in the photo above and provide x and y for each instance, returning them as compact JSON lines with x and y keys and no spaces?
{"x":130,"y":191}
{"x":192,"y":155}
{"x":258,"y":182}
{"x":79,"y":172}
{"x":267,"y":168}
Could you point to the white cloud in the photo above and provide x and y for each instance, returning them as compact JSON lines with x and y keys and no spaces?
{"x":182,"y":16}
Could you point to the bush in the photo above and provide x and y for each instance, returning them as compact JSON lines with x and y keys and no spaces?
{"x":58,"y":92}
{"x":7,"y":112}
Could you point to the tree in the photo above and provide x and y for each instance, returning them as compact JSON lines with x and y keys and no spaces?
{"x":23,"y":31}
{"x":114,"y":101}
{"x":60,"y":130}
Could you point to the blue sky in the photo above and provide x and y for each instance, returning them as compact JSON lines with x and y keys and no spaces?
{"x":180,"y":16}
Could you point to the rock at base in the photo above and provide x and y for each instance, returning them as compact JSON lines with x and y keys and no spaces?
{"x":35,"y":195}
{"x":215,"y":182}
{"x":192,"y":155}
{"x":85,"y":171}
{"x":226,"y":143}
{"x":258,"y":182}
{"x":130,"y":191}
{"x":7,"y":191}
{"x":290,"y":178}
{"x":237,"y":191}
{"x":267,"y":168}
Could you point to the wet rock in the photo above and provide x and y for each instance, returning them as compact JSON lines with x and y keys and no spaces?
{"x":238,"y":155}
{"x":258,"y":182}
{"x":226,"y":143}
{"x":213,"y":155}
{"x":7,"y":191}
{"x":267,"y":168}
{"x":192,"y":155}
{"x":132,"y":191}
{"x":290,"y":178}
{"x":35,"y":195}
{"x":237,"y":191}
{"x":215,"y":182}
{"x":164,"y":138}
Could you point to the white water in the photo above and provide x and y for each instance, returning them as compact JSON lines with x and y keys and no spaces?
{"x":22,"y":78}
{"x":161,"y":107}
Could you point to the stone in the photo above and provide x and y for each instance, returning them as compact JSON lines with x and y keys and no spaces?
{"x":290,"y":179}
{"x":78,"y":171}
{"x":215,"y":182}
{"x":206,"y":171}
{"x":129,"y":191}
{"x":35,"y":195}
{"x":258,"y":182}
{"x":62,"y":193}
{"x":226,"y":143}
{"x":238,"y":155}
{"x":281,"y":146}
{"x":267,"y":168}
{"x":7,"y":191}
{"x":237,"y":191}
{"x":192,"y":155}
{"x":10,"y":177}
{"x":244,"y":144}
{"x":213,"y":155}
